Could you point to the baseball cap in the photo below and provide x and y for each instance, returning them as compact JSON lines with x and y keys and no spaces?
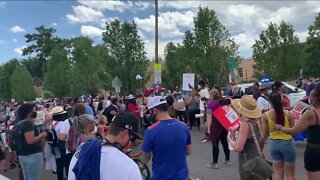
{"x":85,"y":97}
{"x":128,"y":121}
{"x":155,"y":101}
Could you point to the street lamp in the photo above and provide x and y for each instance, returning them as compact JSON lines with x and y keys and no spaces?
{"x":156,"y":31}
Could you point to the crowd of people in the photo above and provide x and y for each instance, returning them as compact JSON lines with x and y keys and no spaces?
{"x":83,"y":138}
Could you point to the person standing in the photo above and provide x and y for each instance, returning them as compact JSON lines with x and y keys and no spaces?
{"x":193,"y":109}
{"x":263,"y":101}
{"x":309,"y":121}
{"x":256,"y":91}
{"x":310,"y":86}
{"x":249,"y":114}
{"x":281,"y":145}
{"x":86,"y":99}
{"x":216,"y":132}
{"x":204,"y":96}
{"x":30,"y":154}
{"x":282,"y":90}
{"x":168,"y":141}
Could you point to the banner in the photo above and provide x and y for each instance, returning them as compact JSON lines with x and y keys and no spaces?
{"x":299,"y":109}
{"x":187,"y":78}
{"x":227,"y":117}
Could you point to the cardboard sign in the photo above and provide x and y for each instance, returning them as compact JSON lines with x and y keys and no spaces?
{"x":179,"y":105}
{"x":187,"y":78}
{"x":40,"y":118}
{"x":299,"y":109}
{"x":227,"y":117}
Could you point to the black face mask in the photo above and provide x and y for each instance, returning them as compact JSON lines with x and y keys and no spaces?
{"x":33,"y":115}
{"x":152,"y":118}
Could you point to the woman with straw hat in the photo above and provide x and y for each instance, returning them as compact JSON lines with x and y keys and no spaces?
{"x":245,"y":144}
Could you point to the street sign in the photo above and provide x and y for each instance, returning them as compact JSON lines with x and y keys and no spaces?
{"x":116,"y":84}
{"x":232,"y":63}
{"x":157,"y":73}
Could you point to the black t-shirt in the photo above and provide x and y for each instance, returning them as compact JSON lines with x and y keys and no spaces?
{"x":28,"y":149}
{"x":107,"y":111}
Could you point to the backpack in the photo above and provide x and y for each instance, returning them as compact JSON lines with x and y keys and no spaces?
{"x":14,"y":137}
{"x":52,"y":137}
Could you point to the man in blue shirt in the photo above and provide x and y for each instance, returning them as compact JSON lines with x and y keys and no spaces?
{"x":169,"y":142}
{"x":86,"y":99}
{"x":309,"y":86}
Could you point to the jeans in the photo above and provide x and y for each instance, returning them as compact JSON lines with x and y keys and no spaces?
{"x":31,"y":166}
{"x":282,"y":150}
{"x":192,"y":118}
{"x":215,"y":147}
{"x":182,"y":116}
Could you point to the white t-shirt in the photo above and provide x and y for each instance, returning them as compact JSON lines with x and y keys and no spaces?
{"x":203,"y":93}
{"x":263,"y":104}
{"x":114,"y":165}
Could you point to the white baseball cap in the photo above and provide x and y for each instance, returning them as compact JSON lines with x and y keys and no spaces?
{"x":155,"y":101}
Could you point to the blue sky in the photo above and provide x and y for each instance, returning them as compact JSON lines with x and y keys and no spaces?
{"x":244,"y":19}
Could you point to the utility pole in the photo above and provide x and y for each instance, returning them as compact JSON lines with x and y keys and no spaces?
{"x":156,"y":31}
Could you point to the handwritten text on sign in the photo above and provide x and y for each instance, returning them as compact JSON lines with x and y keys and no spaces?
{"x":227,"y":117}
{"x":299,"y":109}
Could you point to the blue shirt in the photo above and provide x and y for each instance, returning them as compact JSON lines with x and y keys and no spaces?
{"x":89,"y":110}
{"x":168,"y":140}
{"x":309,"y":88}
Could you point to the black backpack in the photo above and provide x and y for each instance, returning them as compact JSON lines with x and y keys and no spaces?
{"x":52,"y":137}
{"x":14,"y":137}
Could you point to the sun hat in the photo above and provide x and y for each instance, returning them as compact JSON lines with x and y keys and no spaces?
{"x":58,"y":110}
{"x":247,"y":106}
{"x":155,"y":101}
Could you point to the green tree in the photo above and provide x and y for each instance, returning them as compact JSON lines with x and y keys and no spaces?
{"x":21,"y":84}
{"x":277,"y":52}
{"x":86,"y":67}
{"x":6,"y":71}
{"x":127,"y":52}
{"x":312,"y":61}
{"x":43,"y":42}
{"x":207,"y":48}
{"x":56,"y":78}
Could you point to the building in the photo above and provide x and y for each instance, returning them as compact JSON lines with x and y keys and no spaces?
{"x":245,"y":71}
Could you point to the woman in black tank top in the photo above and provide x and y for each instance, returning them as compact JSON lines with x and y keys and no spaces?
{"x":310,"y":121}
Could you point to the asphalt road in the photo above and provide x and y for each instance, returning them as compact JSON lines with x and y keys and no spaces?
{"x":201,"y":156}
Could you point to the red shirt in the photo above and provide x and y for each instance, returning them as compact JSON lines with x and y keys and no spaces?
{"x":285,"y":101}
{"x":134,"y":109}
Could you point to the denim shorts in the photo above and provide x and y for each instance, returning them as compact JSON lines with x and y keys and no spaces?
{"x":282,"y":150}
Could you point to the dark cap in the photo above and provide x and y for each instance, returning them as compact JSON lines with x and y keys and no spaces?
{"x":128,"y":121}
{"x":202,"y":83}
{"x":306,"y":77}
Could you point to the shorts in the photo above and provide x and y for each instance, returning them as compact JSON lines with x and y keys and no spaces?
{"x":312,"y":159}
{"x":282,"y":150}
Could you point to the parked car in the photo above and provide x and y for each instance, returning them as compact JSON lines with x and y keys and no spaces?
{"x":294,"y":94}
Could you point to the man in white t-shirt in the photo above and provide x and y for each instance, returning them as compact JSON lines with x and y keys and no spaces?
{"x":263,"y":100}
{"x":204,"y":95}
{"x":114,"y":164}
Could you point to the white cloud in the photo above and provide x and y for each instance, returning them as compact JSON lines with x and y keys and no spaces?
{"x":17,"y":29}
{"x":54,"y":24}
{"x":169,"y":23}
{"x":179,"y":4}
{"x":245,"y":41}
{"x":3,"y":4}
{"x":150,"y":46}
{"x":91,"y":31}
{"x":108,"y":5}
{"x":302,"y":35}
{"x":116,"y":5}
{"x":84,"y":14}
{"x":14,"y":40}
{"x":18,"y":50}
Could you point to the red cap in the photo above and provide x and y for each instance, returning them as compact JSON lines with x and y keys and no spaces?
{"x":232,"y":83}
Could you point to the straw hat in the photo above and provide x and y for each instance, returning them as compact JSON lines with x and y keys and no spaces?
{"x":247,"y":106}
{"x":264,"y":87}
{"x":58,"y":110}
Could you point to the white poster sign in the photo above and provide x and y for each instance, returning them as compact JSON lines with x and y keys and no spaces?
{"x":40,"y":118}
{"x":187,"y":78}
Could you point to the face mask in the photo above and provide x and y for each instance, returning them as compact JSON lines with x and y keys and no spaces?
{"x":33,"y":115}
{"x":152,"y":117}
{"x":269,"y":91}
{"x":199,"y":87}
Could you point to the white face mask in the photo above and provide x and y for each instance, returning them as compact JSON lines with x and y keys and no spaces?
{"x":269,"y":91}
{"x":95,"y":130}
{"x":199,"y":87}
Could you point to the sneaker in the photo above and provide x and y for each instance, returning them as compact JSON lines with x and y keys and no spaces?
{"x":227,"y":162}
{"x":205,"y":140}
{"x":213,"y":166}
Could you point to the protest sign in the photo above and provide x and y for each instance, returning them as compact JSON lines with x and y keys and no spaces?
{"x":187,"y":78}
{"x":299,"y":109}
{"x":227,"y":117}
{"x":40,"y":118}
